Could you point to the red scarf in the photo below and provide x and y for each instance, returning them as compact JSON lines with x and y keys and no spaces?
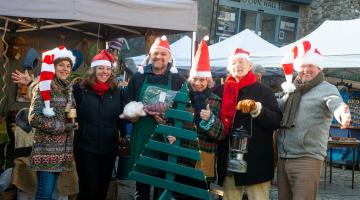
{"x":100,"y":87}
{"x":230,"y":95}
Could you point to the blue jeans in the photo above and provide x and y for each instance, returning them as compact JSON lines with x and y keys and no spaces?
{"x":46,"y":182}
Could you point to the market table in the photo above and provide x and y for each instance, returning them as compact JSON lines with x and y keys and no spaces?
{"x":347,"y":144}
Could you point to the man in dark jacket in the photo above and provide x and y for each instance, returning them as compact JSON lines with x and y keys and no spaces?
{"x":253,"y":106}
{"x":161,"y":73}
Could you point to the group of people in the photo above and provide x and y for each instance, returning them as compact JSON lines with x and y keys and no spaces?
{"x":98,"y":102}
{"x":302,"y":116}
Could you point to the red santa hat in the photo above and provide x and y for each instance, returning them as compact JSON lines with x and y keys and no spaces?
{"x":201,"y":63}
{"x":159,"y":43}
{"x":238,"y":53}
{"x":102,"y":58}
{"x":47,"y":74}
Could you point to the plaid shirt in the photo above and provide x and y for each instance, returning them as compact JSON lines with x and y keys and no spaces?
{"x":208,"y":139}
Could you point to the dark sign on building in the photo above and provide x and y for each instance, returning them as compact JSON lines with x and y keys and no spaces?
{"x":275,"y":21}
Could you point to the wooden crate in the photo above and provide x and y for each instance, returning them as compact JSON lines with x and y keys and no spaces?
{"x":8,"y":195}
{"x":112,"y":190}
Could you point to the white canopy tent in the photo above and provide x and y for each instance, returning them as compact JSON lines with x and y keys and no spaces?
{"x":338,"y":41}
{"x":181,"y":51}
{"x":246,"y":39}
{"x":160,"y":14}
{"x":218,"y":52}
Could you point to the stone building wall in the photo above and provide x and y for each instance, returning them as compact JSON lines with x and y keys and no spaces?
{"x":313,"y":15}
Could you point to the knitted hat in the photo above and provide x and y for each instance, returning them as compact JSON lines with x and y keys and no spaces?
{"x":79,"y":58}
{"x":30,"y":60}
{"x":117,"y":43}
{"x":259,"y":69}
{"x":238,"y":53}
{"x":305,"y":53}
{"x":159,"y":43}
{"x":201,"y":64}
{"x":22,"y":121}
{"x":47,"y":74}
{"x":102,"y":58}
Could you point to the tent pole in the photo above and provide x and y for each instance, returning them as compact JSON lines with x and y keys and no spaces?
{"x":1,"y":28}
{"x":18,"y":22}
{"x":62,"y":24}
{"x":52,"y":26}
{"x":74,"y":29}
{"x":124,"y":29}
{"x":193,"y":46}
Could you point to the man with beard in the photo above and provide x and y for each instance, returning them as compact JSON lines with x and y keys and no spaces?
{"x":161,"y":72}
{"x":308,"y":109}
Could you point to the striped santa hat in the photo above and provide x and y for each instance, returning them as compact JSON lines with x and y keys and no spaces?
{"x":302,"y":53}
{"x":47,"y":74}
{"x":160,"y":42}
{"x":306,"y":53}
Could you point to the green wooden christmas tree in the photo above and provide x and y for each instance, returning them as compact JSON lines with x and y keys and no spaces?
{"x":170,"y":166}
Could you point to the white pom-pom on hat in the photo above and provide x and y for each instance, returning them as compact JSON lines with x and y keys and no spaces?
{"x":288,"y":69}
{"x":48,"y":111}
{"x":288,"y":87}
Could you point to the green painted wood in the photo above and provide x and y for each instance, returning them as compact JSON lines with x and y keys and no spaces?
{"x":181,"y":97}
{"x":179,"y":115}
{"x":184,"y":88}
{"x":172,"y":167}
{"x":170,"y":185}
{"x":173,"y":150}
{"x":176,"y":132}
{"x":166,"y":195}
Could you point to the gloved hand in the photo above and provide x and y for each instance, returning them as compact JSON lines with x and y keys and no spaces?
{"x":246,"y":105}
{"x":71,"y":127}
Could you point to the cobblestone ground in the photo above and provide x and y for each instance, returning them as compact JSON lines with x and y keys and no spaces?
{"x":339,"y":189}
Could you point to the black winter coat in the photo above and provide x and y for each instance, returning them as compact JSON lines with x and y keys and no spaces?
{"x":98,"y":118}
{"x":260,"y":156}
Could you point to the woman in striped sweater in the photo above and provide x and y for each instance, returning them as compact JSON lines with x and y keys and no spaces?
{"x":52,"y":151}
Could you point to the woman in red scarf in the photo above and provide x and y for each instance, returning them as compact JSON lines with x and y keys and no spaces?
{"x":253,"y":106}
{"x":99,"y":104}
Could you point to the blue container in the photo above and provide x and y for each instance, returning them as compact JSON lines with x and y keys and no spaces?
{"x":344,"y":156}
